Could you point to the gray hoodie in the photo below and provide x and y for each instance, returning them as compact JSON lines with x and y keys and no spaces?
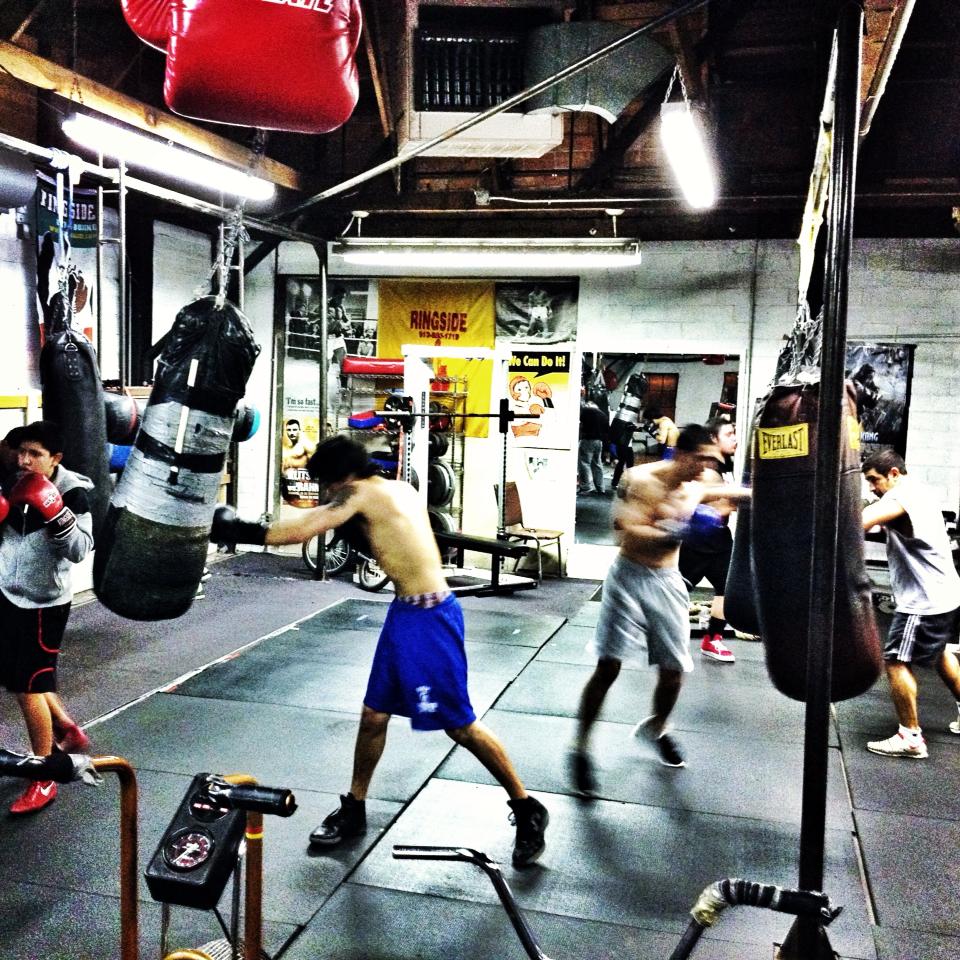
{"x":35,"y":568}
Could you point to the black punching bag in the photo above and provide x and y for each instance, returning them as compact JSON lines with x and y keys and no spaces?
{"x":781,"y":531}
{"x":73,"y":398}
{"x":740,"y":593}
{"x":152,"y":550}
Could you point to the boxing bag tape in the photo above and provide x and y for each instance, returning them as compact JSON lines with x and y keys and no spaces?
{"x":152,"y":551}
{"x":73,"y":398}
{"x":781,"y":534}
{"x":273,"y":64}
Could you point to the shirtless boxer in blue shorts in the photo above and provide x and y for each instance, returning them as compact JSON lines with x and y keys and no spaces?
{"x":420,"y":666}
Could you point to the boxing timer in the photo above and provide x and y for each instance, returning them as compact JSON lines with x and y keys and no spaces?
{"x":198,"y":850}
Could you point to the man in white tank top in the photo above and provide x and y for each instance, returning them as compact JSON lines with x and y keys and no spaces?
{"x":926,"y":589}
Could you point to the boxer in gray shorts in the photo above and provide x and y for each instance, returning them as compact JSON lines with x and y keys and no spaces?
{"x":644,"y":608}
{"x":645,"y":604}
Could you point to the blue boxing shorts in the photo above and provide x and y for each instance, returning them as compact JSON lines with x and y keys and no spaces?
{"x":420,"y":667}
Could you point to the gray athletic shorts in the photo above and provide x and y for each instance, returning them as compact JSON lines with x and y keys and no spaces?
{"x":644,"y":608}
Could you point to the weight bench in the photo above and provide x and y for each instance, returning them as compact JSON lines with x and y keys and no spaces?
{"x":483,"y":582}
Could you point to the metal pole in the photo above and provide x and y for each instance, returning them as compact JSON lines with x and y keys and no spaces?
{"x":125,"y":352}
{"x":502,"y":107}
{"x":98,"y":281}
{"x":808,"y":938}
{"x":323,"y":391}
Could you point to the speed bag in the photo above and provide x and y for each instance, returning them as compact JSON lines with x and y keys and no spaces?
{"x":781,"y":535}
{"x":152,"y":551}
{"x":73,"y":399}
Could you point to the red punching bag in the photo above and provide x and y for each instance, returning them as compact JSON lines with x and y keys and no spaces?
{"x":273,"y":64}
{"x":781,"y":533}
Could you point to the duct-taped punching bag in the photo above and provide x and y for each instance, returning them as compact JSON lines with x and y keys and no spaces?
{"x":153,"y":546}
{"x":781,"y":536}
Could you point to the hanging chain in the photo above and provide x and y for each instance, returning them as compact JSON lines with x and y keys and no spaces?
{"x":75,"y":91}
{"x":674,"y":77}
{"x":234,"y":231}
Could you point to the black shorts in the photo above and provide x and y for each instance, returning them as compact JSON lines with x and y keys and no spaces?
{"x":30,"y":641}
{"x":920,"y":638}
{"x":695,"y":565}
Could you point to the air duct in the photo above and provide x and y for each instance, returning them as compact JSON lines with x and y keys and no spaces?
{"x":18,"y":180}
{"x":606,"y":87}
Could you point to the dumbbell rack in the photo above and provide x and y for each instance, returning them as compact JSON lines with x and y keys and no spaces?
{"x":369,"y":391}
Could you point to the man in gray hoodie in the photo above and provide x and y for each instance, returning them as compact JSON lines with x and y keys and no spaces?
{"x":46,"y":528}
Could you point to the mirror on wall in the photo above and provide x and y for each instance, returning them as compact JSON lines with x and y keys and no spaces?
{"x":642,"y":398}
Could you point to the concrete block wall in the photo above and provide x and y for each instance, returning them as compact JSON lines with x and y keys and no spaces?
{"x":696,"y":297}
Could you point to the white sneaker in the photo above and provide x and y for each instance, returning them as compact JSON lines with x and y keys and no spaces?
{"x":955,"y":727}
{"x":900,"y":746}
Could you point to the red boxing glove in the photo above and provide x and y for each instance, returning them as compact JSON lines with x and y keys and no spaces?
{"x":149,"y":20}
{"x":34,"y":490}
{"x":4,"y":508}
{"x":273,"y":64}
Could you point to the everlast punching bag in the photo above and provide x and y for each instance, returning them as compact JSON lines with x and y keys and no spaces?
{"x":152,"y":550}
{"x":73,"y":398}
{"x":781,"y":532}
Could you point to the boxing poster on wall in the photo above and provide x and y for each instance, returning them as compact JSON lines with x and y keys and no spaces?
{"x":66,"y":250}
{"x":299,"y":431}
{"x":539,"y":312}
{"x":538,"y":389}
{"x":440,"y":313}
{"x":881,"y":374}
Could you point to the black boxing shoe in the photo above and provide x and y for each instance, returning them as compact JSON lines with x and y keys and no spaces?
{"x":531,"y":818}
{"x":349,"y":820}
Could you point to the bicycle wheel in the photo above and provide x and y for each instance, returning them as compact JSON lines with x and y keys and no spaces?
{"x":337,"y":555}
{"x":370,"y":576}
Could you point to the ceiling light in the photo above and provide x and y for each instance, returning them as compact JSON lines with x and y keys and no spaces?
{"x":687,"y":155}
{"x":505,"y":252}
{"x":137,"y":150}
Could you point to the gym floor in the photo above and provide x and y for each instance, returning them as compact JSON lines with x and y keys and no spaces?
{"x":265,"y":676}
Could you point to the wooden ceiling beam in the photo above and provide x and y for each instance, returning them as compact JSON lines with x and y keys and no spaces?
{"x":46,"y":75}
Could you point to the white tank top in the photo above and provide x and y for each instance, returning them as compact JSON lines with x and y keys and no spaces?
{"x":922,"y":575}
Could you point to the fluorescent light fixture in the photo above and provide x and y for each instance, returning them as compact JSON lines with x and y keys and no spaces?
{"x":140,"y":151}
{"x":687,"y":154}
{"x":505,"y":252}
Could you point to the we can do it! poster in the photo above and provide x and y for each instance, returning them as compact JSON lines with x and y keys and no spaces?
{"x":538,"y":388}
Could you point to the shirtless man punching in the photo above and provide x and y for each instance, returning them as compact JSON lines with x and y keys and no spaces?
{"x":419,"y":668}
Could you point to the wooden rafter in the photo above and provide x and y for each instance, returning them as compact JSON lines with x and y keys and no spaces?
{"x":46,"y":75}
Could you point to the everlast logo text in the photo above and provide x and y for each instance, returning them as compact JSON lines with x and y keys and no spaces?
{"x":321,"y":6}
{"x":779,"y":443}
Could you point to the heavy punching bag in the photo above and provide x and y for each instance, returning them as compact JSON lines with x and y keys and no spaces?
{"x":740,"y":593}
{"x":152,"y":549}
{"x":73,"y":398}
{"x":781,"y":532}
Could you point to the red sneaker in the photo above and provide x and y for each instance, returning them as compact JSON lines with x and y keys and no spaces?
{"x":39,"y":794}
{"x":714,"y":648}
{"x":73,"y":740}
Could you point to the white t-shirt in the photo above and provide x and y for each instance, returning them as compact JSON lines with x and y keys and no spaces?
{"x":922,"y":575}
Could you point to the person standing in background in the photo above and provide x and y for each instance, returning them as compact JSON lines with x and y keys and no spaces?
{"x":47,"y":527}
{"x":593,"y":435}
{"x":709,"y":556}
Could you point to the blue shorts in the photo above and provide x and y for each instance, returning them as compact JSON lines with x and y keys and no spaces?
{"x":420,"y":667}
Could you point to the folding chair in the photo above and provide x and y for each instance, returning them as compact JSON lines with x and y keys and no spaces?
{"x":519,"y":532}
